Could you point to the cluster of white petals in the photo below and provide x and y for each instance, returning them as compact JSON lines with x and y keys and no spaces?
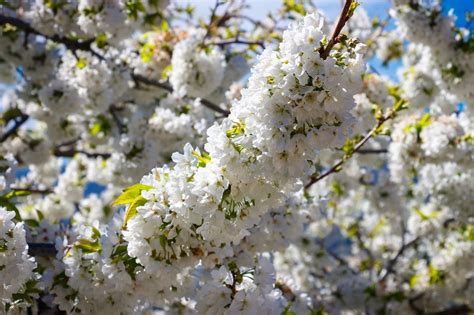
{"x":16,"y":266}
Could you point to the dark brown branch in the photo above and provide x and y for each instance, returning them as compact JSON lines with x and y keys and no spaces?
{"x":391,"y":264}
{"x":70,"y":152}
{"x":454,"y":310}
{"x":343,"y":17}
{"x":372,"y":151}
{"x":71,"y":44}
{"x":212,"y":21}
{"x":120,"y":126}
{"x":238,"y":41}
{"x":141,"y":79}
{"x":18,"y":123}
{"x":32,"y":190}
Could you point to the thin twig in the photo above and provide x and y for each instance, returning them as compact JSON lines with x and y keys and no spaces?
{"x":70,"y":152}
{"x":167,"y":87}
{"x":71,"y":44}
{"x":372,"y":151}
{"x":32,"y":190}
{"x":120,"y":126}
{"x":391,"y":264}
{"x":238,"y":41}
{"x":336,"y":167}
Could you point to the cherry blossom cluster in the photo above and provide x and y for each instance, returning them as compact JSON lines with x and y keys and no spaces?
{"x":157,"y":162}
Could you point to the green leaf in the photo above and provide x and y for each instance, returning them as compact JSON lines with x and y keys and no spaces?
{"x":17,"y":193}
{"x":166,"y":72}
{"x":237,"y":129}
{"x":132,"y":209}
{"x":425,"y":217}
{"x":10,"y":206}
{"x":147,"y":52}
{"x":436,"y":275}
{"x":32,"y":223}
{"x":88,"y":246}
{"x":101,"y":40}
{"x":203,"y":158}
{"x":130,"y":194}
{"x":287,"y":310}
{"x":370,"y":292}
{"x":95,"y":233}
{"x":81,"y":63}
{"x":164,"y":26}
{"x":401,"y":104}
{"x":133,"y":152}
{"x":10,"y":114}
{"x":292,"y":5}
{"x":352,"y":8}
{"x":133,"y":8}
{"x":413,"y":280}
{"x":101,"y":125}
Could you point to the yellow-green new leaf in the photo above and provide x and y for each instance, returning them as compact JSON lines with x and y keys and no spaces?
{"x":17,"y":193}
{"x":130,"y":194}
{"x":88,"y":246}
{"x":132,"y":209}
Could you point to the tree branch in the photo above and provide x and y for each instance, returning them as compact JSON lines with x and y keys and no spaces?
{"x":167,"y":87}
{"x":391,"y":264}
{"x":70,"y":152}
{"x":71,"y":44}
{"x":238,"y":41}
{"x":32,"y":190}
{"x":120,"y":126}
{"x":18,"y":123}
{"x":336,"y":167}
{"x":343,"y":18}
{"x":372,"y":151}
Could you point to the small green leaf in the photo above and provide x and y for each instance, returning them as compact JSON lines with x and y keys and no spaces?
{"x":293,"y":5}
{"x":166,"y":72}
{"x":413,"y":280}
{"x":10,"y":206}
{"x":17,"y":193}
{"x":10,"y":114}
{"x":287,"y":310}
{"x":81,"y":63}
{"x":164,"y":25}
{"x":147,"y":52}
{"x":132,"y":209}
{"x":101,"y":40}
{"x":203,"y":158}
{"x":88,"y":246}
{"x":352,"y":8}
{"x":133,"y":8}
{"x":436,"y":275}
{"x":101,"y":125}
{"x":130,"y":194}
